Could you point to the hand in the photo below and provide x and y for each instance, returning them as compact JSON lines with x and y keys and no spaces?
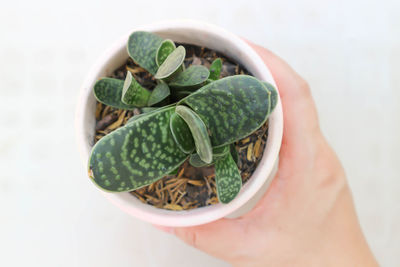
{"x":307,"y":216}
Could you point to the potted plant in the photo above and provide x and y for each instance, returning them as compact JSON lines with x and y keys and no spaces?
{"x":182,"y":116}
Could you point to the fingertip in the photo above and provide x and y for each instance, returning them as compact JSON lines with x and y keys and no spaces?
{"x":165,"y":229}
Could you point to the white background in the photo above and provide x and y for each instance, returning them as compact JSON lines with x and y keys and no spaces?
{"x":50,"y":213}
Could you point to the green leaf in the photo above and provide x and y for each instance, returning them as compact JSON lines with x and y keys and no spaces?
{"x":218,"y":152}
{"x":234,"y":153}
{"x":132,"y":119}
{"x":231,"y":108}
{"x":178,"y":95}
{"x":274,"y":95}
{"x":137,"y":154}
{"x":215,"y":69}
{"x":146,"y":111}
{"x":199,"y":132}
{"x":142,"y":48}
{"x":172,"y":64}
{"x":163,"y":51}
{"x":133,"y":93}
{"x":109,"y":92}
{"x":160,"y":92}
{"x":174,"y":172}
{"x":193,"y":76}
{"x":149,"y":109}
{"x":181,"y":133}
{"x":196,"y":161}
{"x":227,"y":178}
{"x":135,"y":117}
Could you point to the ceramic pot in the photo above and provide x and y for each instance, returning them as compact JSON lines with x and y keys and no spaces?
{"x":202,"y":34}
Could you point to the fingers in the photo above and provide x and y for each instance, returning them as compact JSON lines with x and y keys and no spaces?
{"x":300,"y":128}
{"x":299,"y":112}
{"x":165,"y":229}
{"x":300,"y":120}
{"x":209,"y":237}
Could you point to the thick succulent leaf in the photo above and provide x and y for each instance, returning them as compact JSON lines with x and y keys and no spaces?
{"x":135,"y":117}
{"x":137,"y":154}
{"x":199,"y":132}
{"x":146,"y":111}
{"x":132,"y":119}
{"x":215,"y":69}
{"x":227,"y":178}
{"x":172,"y":64}
{"x":196,"y":161}
{"x":181,"y":133}
{"x":232,"y":107}
{"x":274,"y":95}
{"x":109,"y":92}
{"x":193,"y":76}
{"x":218,"y":152}
{"x":160,"y":92}
{"x":149,"y":109}
{"x":133,"y":93}
{"x":178,"y":95}
{"x":142,"y":48}
{"x":174,"y":172}
{"x":163,"y":51}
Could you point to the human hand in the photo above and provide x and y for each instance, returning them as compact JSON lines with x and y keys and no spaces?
{"x":307,"y":216}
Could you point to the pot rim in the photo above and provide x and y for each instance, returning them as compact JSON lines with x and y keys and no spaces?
{"x":239,"y":50}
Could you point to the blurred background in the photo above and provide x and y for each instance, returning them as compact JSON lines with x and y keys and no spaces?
{"x":52,"y":215}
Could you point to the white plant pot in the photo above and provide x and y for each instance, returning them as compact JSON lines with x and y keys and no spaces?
{"x":215,"y":38}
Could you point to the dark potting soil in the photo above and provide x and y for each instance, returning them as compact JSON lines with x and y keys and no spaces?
{"x":190,"y":187}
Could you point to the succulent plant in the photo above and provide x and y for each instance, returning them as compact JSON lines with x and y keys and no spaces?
{"x":202,"y":120}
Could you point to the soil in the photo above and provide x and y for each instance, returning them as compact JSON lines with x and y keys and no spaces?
{"x":190,"y":187}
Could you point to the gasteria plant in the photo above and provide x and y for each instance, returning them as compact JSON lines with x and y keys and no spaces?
{"x":209,"y":114}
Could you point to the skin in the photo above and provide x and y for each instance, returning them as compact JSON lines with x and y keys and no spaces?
{"x":307,"y":216}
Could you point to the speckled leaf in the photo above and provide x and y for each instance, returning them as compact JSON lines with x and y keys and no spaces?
{"x":142,"y":48}
{"x":148,"y":109}
{"x":227,"y":178}
{"x":218,"y":152}
{"x":181,"y":133}
{"x":163,"y":51}
{"x":199,"y":132}
{"x":196,"y":161}
{"x":132,"y":119}
{"x":215,"y":69}
{"x":174,"y":172}
{"x":109,"y":92}
{"x":160,"y":92}
{"x":135,"y":117}
{"x":194,"y":76}
{"x":232,"y":107}
{"x":137,"y":154}
{"x":172,"y":64}
{"x":274,"y":95}
{"x":133,"y":93}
